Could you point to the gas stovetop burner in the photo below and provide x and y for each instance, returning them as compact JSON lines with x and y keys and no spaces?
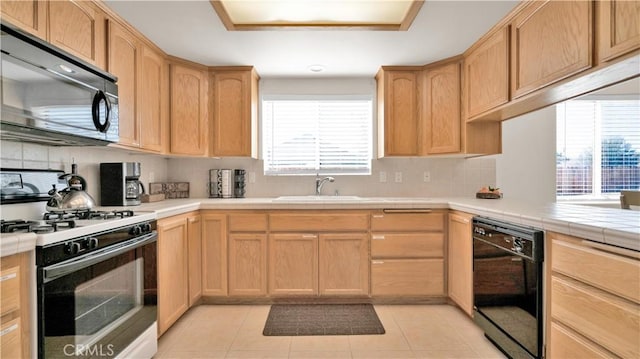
{"x":87,"y":214}
{"x":47,"y":226}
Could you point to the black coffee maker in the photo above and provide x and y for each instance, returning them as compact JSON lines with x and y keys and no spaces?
{"x":120,"y":184}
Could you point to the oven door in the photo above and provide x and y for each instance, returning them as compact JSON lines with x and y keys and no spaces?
{"x":505,"y":297}
{"x":98,"y":304}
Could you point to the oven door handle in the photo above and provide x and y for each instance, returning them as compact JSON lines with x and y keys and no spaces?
{"x":57,"y":270}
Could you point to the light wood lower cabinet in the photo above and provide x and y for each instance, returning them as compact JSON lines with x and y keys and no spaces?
{"x":15,"y":284}
{"x":343,"y":264}
{"x":460,"y":260}
{"x":407,"y":253}
{"x":293,"y":264}
{"x":247,"y":264}
{"x":214,"y":254}
{"x":594,"y":299}
{"x":194,"y":231}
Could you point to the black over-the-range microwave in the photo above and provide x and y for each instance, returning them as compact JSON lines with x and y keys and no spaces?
{"x":52,"y":97}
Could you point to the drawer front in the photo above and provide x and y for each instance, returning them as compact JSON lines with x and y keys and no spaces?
{"x":621,"y":277}
{"x":9,"y":290}
{"x":407,"y":245}
{"x":566,"y":344}
{"x":603,"y":318}
{"x":404,"y":222}
{"x":407,"y":277}
{"x":11,"y":339}
{"x":318,"y":222}
{"x":248,"y":222}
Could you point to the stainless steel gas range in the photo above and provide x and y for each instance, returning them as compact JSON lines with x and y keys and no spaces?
{"x":96,"y":283}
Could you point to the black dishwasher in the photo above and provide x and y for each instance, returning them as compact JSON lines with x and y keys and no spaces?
{"x":507,"y":285}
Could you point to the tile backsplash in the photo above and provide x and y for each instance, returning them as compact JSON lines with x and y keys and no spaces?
{"x":448,"y":176}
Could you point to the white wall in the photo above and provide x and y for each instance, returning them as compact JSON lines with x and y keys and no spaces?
{"x":526,"y":169}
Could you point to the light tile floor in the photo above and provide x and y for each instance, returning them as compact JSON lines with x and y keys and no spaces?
{"x":412,"y":331}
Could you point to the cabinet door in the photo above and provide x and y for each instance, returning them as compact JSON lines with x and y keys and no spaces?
{"x":78,"y":27}
{"x":550,"y":41}
{"x":15,"y":297}
{"x":460,"y":261}
{"x":247,"y":264}
{"x":293,"y":264}
{"x":234,"y":109}
{"x":152,"y":99}
{"x":442,"y":109}
{"x":399,"y":91}
{"x":11,"y":339}
{"x":194,"y":230}
{"x":123,"y":62}
{"x":618,"y":27}
{"x":396,"y":277}
{"x":173,"y":278}
{"x":214,"y":254}
{"x":486,"y":74}
{"x":188,"y":111}
{"x":344,"y":262}
{"x":28,"y":15}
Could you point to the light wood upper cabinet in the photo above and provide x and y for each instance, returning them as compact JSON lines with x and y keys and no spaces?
{"x":399,"y":122}
{"x":28,"y":15}
{"x":442,"y":109}
{"x":460,"y":261}
{"x":618,"y":28}
{"x":293,"y":264}
{"x":173,"y":271}
{"x":550,"y":41}
{"x":188,"y":119}
{"x":343,"y":264}
{"x":486,"y":74}
{"x":234,"y":107}
{"x":194,"y":231}
{"x":214,"y":254}
{"x":153,"y":98}
{"x":123,"y":62}
{"x":78,"y":27}
{"x":247,"y":264}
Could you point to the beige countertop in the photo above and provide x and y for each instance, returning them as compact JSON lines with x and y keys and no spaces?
{"x":605,"y":225}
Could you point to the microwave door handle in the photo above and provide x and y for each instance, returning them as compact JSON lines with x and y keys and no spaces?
{"x":95,"y":111}
{"x":59,"y":270}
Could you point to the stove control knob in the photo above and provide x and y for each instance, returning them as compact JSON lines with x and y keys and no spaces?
{"x":93,"y":243}
{"x":146,"y":228}
{"x":135,"y":230}
{"x":72,"y":248}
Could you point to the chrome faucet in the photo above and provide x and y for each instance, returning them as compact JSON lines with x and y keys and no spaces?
{"x":320,"y":182}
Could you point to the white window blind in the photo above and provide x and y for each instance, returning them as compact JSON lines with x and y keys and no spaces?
{"x":317,"y":134}
{"x":598,"y":148}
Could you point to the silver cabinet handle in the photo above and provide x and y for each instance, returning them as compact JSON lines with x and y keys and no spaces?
{"x":406,"y":210}
{"x":377,"y":237}
{"x":378,"y":216}
{"x":8,"y":276}
{"x":309,"y":236}
{"x":8,"y":330}
{"x":377,"y":262}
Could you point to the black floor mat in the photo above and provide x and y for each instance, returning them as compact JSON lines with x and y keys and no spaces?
{"x":322,"y":319}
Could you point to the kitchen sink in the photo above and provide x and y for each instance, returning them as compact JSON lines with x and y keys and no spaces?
{"x":312,"y":198}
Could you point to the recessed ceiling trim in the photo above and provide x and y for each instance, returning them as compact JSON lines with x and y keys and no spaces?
{"x":403,"y":25}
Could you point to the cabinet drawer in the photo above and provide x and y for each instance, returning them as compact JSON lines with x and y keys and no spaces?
{"x":407,"y":277}
{"x":248,"y":222}
{"x":407,"y":245}
{"x":11,"y":339}
{"x":586,"y":264}
{"x":409,"y":221}
{"x":565,"y":344}
{"x":318,"y":222}
{"x":603,"y":318}
{"x":9,"y":290}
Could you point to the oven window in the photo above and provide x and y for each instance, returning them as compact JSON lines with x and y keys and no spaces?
{"x":93,"y":307}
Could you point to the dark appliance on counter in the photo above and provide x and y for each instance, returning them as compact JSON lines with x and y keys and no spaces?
{"x":507,"y":286}
{"x":50,"y":96}
{"x":96,"y":283}
{"x":120,"y":184}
